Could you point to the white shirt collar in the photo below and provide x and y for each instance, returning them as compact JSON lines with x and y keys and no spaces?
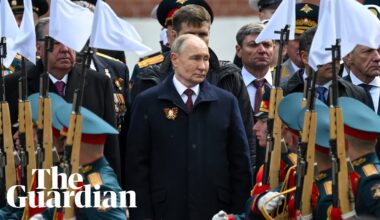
{"x":356,"y":81}
{"x":54,"y":80}
{"x":326,"y":85}
{"x":295,"y":67}
{"x":181,"y":88}
{"x":248,"y":77}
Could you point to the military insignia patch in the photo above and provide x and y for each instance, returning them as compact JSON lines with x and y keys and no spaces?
{"x":119,"y":83}
{"x":375,"y":191}
{"x":181,"y":1}
{"x":369,"y":170}
{"x":328,"y":187}
{"x":86,"y":169}
{"x":95,"y":179}
{"x":171,"y":113}
{"x":359,"y":161}
{"x":306,"y":8}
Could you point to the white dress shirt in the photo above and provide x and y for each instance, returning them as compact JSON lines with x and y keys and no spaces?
{"x":375,"y":90}
{"x":182,"y":88}
{"x":248,"y":79}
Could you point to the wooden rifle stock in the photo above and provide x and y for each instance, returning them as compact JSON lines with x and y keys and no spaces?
{"x":340,"y":184}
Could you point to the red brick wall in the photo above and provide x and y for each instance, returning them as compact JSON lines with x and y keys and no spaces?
{"x":142,"y":8}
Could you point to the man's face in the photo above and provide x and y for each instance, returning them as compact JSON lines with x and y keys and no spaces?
{"x":293,"y":52}
{"x":253,"y":55}
{"x":202,"y":31}
{"x":260,"y":129}
{"x":365,"y":61}
{"x":61,"y":59}
{"x":191,"y":63}
{"x":325,"y":72}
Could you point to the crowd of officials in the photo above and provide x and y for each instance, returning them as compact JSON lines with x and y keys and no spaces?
{"x":187,"y":132}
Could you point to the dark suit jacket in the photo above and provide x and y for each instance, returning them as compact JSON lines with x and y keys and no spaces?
{"x":192,"y":166}
{"x":97,"y":97}
{"x":346,"y":89}
{"x":348,"y":78}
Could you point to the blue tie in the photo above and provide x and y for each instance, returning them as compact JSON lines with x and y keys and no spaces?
{"x":367,"y":89}
{"x":321,"y":91}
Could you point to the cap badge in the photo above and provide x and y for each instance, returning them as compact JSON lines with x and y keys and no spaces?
{"x":171,"y":113}
{"x":306,"y":9}
{"x":181,"y":1}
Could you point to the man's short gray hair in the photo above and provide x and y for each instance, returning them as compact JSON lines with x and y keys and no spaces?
{"x":40,"y":28}
{"x":180,"y":42}
{"x":248,"y":29}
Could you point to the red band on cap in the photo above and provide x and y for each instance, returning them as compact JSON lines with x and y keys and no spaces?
{"x":369,"y":136}
{"x":89,"y":138}
{"x":323,"y":150}
{"x":56,"y":133}
{"x":169,"y":16}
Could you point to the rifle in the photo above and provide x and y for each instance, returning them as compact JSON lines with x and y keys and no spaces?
{"x":27,"y":154}
{"x":305,"y":160}
{"x":44,"y":155}
{"x":342,"y":197}
{"x":70,"y":159}
{"x":8,"y":176}
{"x":273,"y":150}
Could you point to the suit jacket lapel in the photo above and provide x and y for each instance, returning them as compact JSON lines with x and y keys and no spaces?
{"x":72,"y":84}
{"x":99,"y":65}
{"x":170,"y":93}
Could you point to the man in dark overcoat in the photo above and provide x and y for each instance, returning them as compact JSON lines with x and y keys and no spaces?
{"x":187,"y":151}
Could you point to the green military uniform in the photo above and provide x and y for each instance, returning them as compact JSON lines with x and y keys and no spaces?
{"x":368,"y":196}
{"x":322,"y":194}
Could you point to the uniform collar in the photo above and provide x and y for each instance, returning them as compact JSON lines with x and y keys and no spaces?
{"x":93,"y":166}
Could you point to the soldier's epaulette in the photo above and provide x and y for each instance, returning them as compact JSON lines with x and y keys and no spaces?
{"x":107,"y":57}
{"x":370,"y":169}
{"x":95,"y":179}
{"x":327,"y":186}
{"x":147,"y":61}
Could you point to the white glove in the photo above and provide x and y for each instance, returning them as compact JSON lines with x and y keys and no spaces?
{"x":273,"y":204}
{"x":306,"y":217}
{"x":221,"y":215}
{"x":37,"y":217}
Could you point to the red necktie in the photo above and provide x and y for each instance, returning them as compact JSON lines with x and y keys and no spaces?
{"x":258,"y":84}
{"x":189,"y":102}
{"x":60,"y":86}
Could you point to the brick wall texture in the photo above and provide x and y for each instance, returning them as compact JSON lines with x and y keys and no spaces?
{"x":142,"y":8}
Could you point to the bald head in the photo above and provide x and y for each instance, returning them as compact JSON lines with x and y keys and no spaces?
{"x":190,"y":59}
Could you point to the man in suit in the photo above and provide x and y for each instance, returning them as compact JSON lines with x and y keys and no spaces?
{"x":256,"y":60}
{"x":64,"y":78}
{"x":196,"y":19}
{"x":364,"y":71}
{"x":324,"y":77}
{"x":187,"y":152}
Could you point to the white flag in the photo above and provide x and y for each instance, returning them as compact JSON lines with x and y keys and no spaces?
{"x":360,"y":27}
{"x":325,"y":35}
{"x":8,"y":29}
{"x":112,"y":33}
{"x":285,"y":14}
{"x":70,"y":23}
{"x":25,"y":43}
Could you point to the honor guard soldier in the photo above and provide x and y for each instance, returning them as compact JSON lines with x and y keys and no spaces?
{"x":306,"y":17}
{"x":362,"y":126}
{"x":95,"y":169}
